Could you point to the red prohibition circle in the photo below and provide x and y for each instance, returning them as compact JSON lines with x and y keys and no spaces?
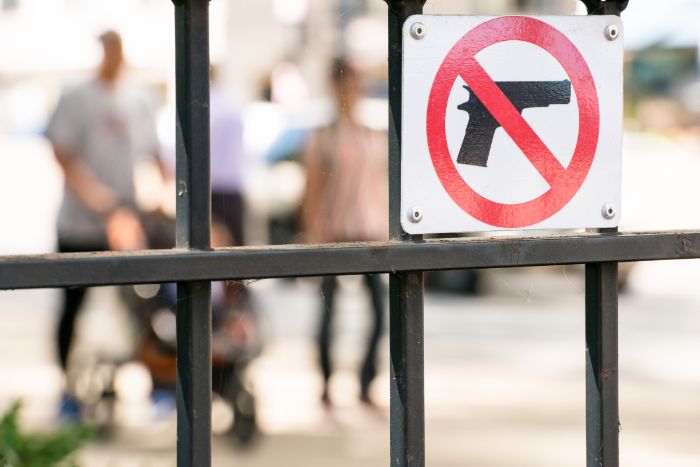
{"x":564,"y":182}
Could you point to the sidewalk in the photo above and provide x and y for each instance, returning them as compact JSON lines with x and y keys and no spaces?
{"x":504,"y":379}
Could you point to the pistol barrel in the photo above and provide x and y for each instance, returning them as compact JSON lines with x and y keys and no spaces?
{"x":478,"y":136}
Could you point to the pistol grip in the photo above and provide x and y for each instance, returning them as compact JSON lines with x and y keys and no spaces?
{"x":478,"y":137}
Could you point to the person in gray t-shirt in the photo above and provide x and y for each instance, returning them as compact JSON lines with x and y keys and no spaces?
{"x":99,"y":131}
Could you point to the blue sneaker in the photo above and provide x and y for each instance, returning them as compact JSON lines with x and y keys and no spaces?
{"x":164,"y":403}
{"x":70,"y":410}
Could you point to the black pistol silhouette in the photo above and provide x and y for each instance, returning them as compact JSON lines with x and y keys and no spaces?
{"x":482,"y":125}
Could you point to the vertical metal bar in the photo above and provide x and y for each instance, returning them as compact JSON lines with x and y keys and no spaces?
{"x":193,"y":231}
{"x":192,"y":100}
{"x":406,"y":348}
{"x":602,"y":416}
{"x":405,"y":289}
{"x":602,"y":408}
{"x":602,"y":411}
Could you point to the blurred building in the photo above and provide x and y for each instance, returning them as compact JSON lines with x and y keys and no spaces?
{"x":662,"y":71}
{"x":53,"y":44}
{"x":53,"y":40}
{"x":310,"y":32}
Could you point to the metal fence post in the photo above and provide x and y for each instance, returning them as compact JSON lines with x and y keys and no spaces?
{"x":602,"y":406}
{"x":405,"y":289}
{"x":193,"y":231}
{"x":602,"y":417}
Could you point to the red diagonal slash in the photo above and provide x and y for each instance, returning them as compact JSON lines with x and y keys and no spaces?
{"x":510,"y":119}
{"x":564,"y":183}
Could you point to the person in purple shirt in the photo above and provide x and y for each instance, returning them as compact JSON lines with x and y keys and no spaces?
{"x":227,"y":162}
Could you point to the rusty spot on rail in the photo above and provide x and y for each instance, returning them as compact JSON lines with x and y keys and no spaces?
{"x":511,"y":249}
{"x":684,"y":246}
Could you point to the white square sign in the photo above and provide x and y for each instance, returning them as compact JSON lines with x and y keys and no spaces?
{"x":511,"y":123}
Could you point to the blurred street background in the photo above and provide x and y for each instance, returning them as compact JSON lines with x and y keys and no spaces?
{"x":504,"y":348}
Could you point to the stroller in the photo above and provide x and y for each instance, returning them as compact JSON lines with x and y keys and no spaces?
{"x":235,"y":343}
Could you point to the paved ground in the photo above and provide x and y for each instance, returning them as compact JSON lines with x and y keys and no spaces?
{"x":504,"y":379}
{"x":504,"y":371}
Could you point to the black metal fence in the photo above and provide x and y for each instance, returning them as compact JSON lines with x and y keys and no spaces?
{"x":194,"y":263}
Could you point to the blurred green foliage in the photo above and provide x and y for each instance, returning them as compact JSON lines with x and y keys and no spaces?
{"x":18,"y":449}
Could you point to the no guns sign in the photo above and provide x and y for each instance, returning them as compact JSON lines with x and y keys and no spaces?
{"x":511,"y":122}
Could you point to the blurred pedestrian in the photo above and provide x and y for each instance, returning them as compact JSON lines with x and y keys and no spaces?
{"x":346,"y":199}
{"x":235,"y":337}
{"x":99,"y":131}
{"x":227,"y":161}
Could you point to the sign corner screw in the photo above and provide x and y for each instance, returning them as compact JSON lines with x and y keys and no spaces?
{"x":609,"y":211}
{"x":612,"y":32}
{"x":416,"y":214}
{"x":418,"y":30}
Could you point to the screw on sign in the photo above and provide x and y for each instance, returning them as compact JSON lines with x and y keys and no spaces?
{"x":463,"y":81}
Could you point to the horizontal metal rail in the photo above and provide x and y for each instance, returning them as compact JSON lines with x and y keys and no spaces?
{"x":153,"y":266}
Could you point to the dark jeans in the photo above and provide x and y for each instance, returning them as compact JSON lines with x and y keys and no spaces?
{"x":72,"y":301}
{"x":369,"y":365}
{"x":229,"y":209}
